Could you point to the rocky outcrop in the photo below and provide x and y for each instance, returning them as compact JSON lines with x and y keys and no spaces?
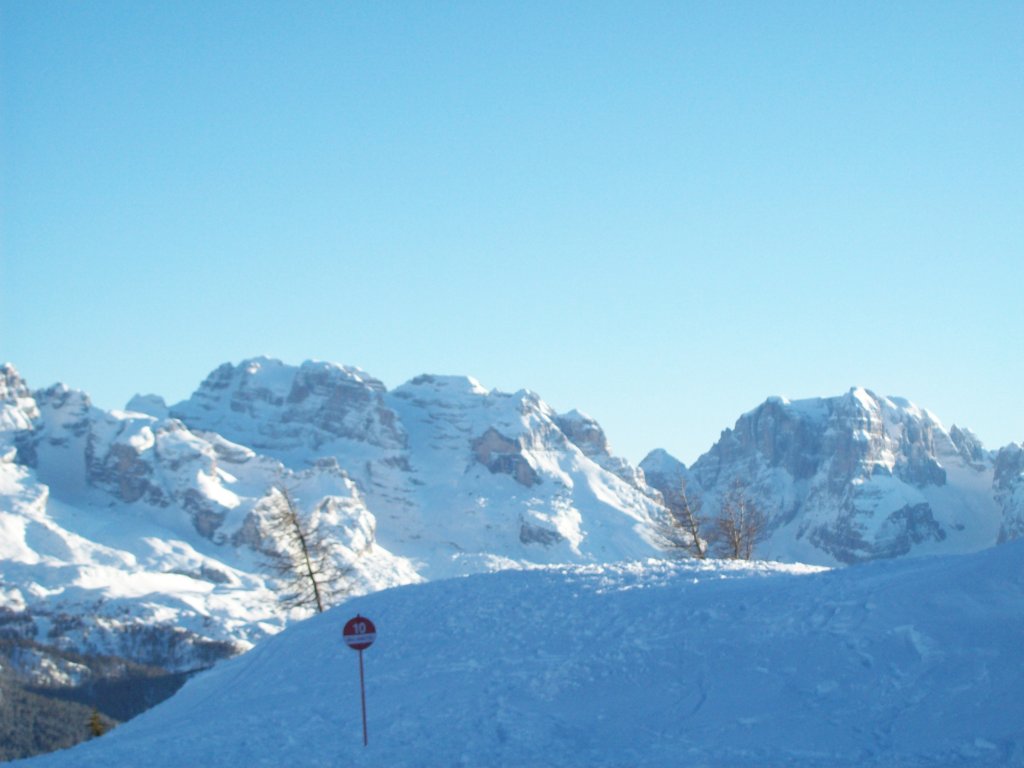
{"x":504,"y":456}
{"x":531,"y":533}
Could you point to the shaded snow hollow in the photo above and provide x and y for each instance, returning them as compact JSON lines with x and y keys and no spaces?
{"x":910,"y":662}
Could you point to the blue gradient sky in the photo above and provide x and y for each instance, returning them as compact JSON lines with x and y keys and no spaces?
{"x":658,"y":213}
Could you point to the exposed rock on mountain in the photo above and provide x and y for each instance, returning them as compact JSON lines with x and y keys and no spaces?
{"x":270,"y":406}
{"x":1009,"y":491}
{"x":504,"y":456}
{"x":17,"y":406}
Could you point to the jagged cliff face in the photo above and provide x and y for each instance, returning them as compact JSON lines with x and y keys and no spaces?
{"x":851,"y":478}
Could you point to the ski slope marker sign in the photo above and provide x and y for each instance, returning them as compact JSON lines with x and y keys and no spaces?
{"x":359,"y":633}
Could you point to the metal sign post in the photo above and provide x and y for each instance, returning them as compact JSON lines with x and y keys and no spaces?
{"x":359,"y":634}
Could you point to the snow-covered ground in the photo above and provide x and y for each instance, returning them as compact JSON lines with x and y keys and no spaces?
{"x":910,"y":662}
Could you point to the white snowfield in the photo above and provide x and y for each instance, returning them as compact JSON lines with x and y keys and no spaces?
{"x":909,"y":662}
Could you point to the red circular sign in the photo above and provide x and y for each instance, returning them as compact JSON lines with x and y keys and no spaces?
{"x":359,"y":633}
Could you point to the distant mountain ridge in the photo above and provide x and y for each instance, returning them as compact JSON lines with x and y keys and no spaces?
{"x":437,"y":452}
{"x":856,"y":477}
{"x":136,"y":533}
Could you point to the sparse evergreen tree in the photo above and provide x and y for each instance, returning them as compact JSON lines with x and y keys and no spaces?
{"x":740,"y":525}
{"x":97,"y":725}
{"x":299,"y":556}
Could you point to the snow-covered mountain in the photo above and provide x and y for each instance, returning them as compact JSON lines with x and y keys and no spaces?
{"x":854,"y":478}
{"x":129,"y":535}
{"x":907,"y":662}
{"x":136,"y":533}
{"x":461,"y":478}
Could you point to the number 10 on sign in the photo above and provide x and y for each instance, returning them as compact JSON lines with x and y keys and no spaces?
{"x":359,"y":634}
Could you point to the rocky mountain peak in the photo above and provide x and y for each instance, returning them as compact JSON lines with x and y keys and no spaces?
{"x":584,"y":431}
{"x":151,"y":405}
{"x":269,"y":405}
{"x":12,"y":386}
{"x":969,"y":445}
{"x":443,"y":386}
{"x":586,"y":434}
{"x":666,"y":474}
{"x":781,"y":433}
{"x":18,"y":409}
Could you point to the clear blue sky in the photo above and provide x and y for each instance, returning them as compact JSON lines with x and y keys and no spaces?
{"x":658,"y":213}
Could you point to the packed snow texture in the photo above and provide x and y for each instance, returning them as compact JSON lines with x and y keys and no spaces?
{"x":909,"y":662}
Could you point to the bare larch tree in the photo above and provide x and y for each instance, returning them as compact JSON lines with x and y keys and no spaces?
{"x":686,"y":524}
{"x":298,"y":555}
{"x":740,"y":525}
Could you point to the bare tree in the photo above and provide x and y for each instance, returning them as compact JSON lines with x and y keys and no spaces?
{"x":740,"y":525}
{"x":686,"y":524}
{"x":299,"y":555}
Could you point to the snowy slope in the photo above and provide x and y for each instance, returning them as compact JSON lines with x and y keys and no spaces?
{"x":908,"y":662}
